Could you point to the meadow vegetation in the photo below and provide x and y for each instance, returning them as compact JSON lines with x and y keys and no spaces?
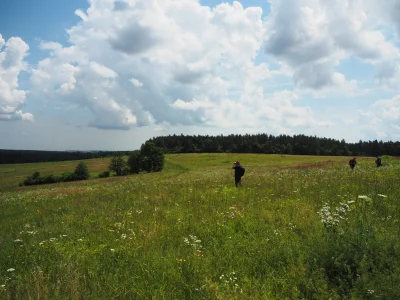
{"x":300,"y":227}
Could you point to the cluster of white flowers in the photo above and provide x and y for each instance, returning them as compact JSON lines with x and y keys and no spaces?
{"x":194,"y":242}
{"x":332,"y":219}
{"x":230,"y":280}
{"x":232,"y":213}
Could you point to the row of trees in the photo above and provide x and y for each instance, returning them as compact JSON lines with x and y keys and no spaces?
{"x":149,"y":159}
{"x":32,"y":156}
{"x":269,"y":144}
{"x":81,"y":173}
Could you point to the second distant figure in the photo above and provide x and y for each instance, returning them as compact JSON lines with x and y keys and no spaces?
{"x":239,"y":172}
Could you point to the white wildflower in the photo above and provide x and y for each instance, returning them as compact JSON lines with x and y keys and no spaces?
{"x":11,"y":270}
{"x":383,"y":196}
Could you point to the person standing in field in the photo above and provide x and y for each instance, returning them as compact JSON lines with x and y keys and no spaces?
{"x":378,"y":161}
{"x":352,"y":163}
{"x":239,"y":172}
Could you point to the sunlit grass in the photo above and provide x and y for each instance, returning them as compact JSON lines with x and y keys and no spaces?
{"x":187,"y":232}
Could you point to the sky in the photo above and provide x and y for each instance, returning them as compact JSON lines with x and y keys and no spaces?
{"x":110,"y":74}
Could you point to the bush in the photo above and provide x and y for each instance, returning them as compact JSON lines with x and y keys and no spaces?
{"x":152,"y":157}
{"x":68,"y":176}
{"x":117,"y":165}
{"x":135,"y":161}
{"x":82,"y":171}
{"x":105,"y":174}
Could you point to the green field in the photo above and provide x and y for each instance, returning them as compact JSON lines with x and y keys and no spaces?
{"x":300,"y":227}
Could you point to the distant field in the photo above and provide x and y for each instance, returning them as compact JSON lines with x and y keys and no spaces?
{"x":12,"y":175}
{"x":300,"y":227}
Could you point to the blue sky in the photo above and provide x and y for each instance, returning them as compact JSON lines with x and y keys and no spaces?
{"x":110,"y":74}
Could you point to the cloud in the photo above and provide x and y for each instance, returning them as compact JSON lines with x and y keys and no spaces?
{"x":312,"y":37}
{"x":178,"y":49}
{"x":152,"y":62}
{"x":81,"y":14}
{"x":12,"y":99}
{"x":136,"y":82}
{"x":102,"y":70}
{"x":381,"y":119}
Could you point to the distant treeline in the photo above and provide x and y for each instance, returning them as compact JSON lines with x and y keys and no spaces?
{"x":31,"y":156}
{"x":269,"y":144}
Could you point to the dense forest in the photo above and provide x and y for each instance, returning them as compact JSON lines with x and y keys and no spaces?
{"x":282,"y":144}
{"x":29,"y":156}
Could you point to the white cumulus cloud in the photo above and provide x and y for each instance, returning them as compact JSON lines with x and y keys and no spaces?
{"x":12,"y":99}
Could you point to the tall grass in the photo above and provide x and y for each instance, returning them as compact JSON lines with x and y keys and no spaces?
{"x":296,"y":229}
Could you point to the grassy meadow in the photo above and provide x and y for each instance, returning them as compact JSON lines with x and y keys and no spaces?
{"x":300,"y":227}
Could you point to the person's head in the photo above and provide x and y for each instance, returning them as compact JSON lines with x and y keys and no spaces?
{"x":236,"y":163}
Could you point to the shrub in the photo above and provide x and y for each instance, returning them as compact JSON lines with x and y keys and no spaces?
{"x":68,"y":176}
{"x":135,"y":161}
{"x":105,"y":174}
{"x":152,"y":157}
{"x":82,"y":171}
{"x":117,"y":165}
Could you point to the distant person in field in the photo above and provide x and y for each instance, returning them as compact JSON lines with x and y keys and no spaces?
{"x":378,"y":161}
{"x":352,"y":163}
{"x":239,"y":172}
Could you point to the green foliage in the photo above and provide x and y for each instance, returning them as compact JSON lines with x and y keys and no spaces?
{"x":118,"y":165}
{"x":152,"y":157}
{"x":104,"y":174}
{"x":269,"y":144}
{"x":135,"y":161}
{"x":82,"y":171}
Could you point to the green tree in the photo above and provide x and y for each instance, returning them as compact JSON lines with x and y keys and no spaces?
{"x":117,"y":165}
{"x":152,"y":157}
{"x":135,"y":162}
{"x":81,"y":171}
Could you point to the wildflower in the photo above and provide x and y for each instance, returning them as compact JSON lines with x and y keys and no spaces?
{"x":383,"y":196}
{"x":366,"y":198}
{"x":11,"y":270}
{"x":112,"y":250}
{"x":18,"y":241}
{"x":180,"y":259}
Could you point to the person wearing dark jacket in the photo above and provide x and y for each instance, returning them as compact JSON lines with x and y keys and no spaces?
{"x":239,"y":172}
{"x":378,"y":161}
{"x":352,"y":163}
